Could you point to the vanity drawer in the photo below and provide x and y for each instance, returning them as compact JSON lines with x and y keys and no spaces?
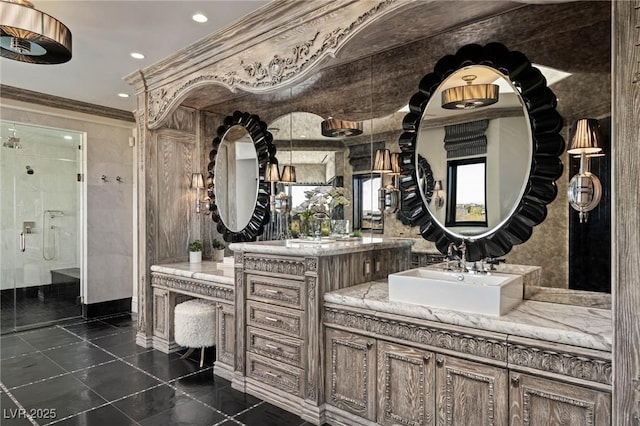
{"x":276,"y":374}
{"x":275,"y":318}
{"x":281,"y":292}
{"x":275,"y":346}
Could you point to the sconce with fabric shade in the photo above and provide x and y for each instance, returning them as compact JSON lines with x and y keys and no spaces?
{"x":272,"y":174}
{"x":382,"y":162}
{"x":585,"y":190}
{"x":395,"y":164}
{"x":28,"y":35}
{"x":471,"y":95}
{"x":197,"y":183}
{"x":438,"y":192}
{"x":288,"y":174}
{"x":586,"y":138}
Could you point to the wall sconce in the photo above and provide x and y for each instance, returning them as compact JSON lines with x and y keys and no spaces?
{"x":272,"y":174}
{"x":585,"y":189}
{"x":288,"y":174}
{"x":382,"y":162}
{"x":197,"y":182}
{"x":438,"y":195}
{"x":388,"y":195}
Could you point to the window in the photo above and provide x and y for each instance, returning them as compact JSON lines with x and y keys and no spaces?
{"x":467,"y":199}
{"x":366,"y":214}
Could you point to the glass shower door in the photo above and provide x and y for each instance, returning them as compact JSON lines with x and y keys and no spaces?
{"x":40,"y":255}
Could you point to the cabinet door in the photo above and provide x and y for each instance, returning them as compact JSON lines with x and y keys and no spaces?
{"x":470,"y":393}
{"x":351,"y":373}
{"x":225,"y":348}
{"x":543,"y":402}
{"x":405,"y":386}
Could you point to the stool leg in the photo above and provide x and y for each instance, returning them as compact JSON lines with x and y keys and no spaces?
{"x":201,"y":357}
{"x":187,"y":353}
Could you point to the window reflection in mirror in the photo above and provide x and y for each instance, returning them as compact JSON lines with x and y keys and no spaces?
{"x":467,"y":183}
{"x":366,"y":213}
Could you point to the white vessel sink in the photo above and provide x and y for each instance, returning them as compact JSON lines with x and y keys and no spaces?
{"x":494,"y":294}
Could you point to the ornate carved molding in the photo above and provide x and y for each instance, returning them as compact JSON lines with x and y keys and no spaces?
{"x":312,"y":264}
{"x":463,"y":343}
{"x":252,"y":70}
{"x":274,"y":266}
{"x":197,"y":287}
{"x":238,"y":258}
{"x":311,"y":288}
{"x":567,"y":364}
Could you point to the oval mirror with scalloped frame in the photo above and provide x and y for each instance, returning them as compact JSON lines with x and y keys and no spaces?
{"x":239,"y":194}
{"x":487,"y":124}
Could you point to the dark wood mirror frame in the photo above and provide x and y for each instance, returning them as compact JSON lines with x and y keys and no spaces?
{"x":265,"y":150}
{"x":546,"y":166}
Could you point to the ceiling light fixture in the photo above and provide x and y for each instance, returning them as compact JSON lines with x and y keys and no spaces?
{"x":200,"y":18}
{"x":68,"y":137}
{"x":28,"y":35}
{"x":334,"y":128}
{"x":470,"y":96}
{"x":137,"y":55}
{"x":123,"y":95}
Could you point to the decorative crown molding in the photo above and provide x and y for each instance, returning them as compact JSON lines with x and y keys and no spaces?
{"x":277,"y":60}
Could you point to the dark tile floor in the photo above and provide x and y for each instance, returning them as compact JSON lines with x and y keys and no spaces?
{"x":91,"y":372}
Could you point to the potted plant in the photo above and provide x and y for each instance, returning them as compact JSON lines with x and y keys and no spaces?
{"x":195,"y":252}
{"x":217,"y":249}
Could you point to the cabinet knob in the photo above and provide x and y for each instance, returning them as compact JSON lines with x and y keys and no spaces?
{"x":369,"y":345}
{"x":439,"y":360}
{"x":515,"y":379}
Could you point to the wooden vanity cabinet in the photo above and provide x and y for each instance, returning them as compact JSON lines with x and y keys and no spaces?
{"x":536,"y":401}
{"x":470,"y":393}
{"x":406,"y":385}
{"x":280,"y":340}
{"x":351,"y":373}
{"x":436,"y":374}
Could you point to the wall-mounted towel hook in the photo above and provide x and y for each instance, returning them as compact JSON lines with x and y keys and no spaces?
{"x":104,"y":178}
{"x":119,"y":179}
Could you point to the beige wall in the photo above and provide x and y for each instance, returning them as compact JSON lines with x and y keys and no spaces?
{"x":109,"y":205}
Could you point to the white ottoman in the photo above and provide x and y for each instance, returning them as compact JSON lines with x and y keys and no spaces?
{"x":195,"y":325}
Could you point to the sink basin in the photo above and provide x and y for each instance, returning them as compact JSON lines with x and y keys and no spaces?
{"x":494,"y":294}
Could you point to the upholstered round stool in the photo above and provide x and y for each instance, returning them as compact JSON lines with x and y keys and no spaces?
{"x":195,"y":325}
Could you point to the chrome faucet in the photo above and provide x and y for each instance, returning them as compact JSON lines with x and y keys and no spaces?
{"x":458,"y":253}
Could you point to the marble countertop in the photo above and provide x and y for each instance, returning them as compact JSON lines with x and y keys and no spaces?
{"x":218,"y":272}
{"x":325,"y":247}
{"x":572,"y":325}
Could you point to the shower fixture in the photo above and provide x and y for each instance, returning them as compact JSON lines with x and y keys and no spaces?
{"x":54,"y":213}
{"x":13,"y":141}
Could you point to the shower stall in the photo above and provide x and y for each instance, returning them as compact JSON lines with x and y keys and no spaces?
{"x":40,"y":220}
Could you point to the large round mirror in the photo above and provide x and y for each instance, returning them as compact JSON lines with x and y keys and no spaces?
{"x":480,"y":157}
{"x":485,"y":122}
{"x":240,"y":197}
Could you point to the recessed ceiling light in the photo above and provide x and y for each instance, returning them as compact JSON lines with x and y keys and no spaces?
{"x":199,"y":17}
{"x":123,"y":95}
{"x":137,"y":55}
{"x":67,"y":137}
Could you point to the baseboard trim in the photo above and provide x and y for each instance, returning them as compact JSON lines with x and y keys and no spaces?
{"x":93,"y":310}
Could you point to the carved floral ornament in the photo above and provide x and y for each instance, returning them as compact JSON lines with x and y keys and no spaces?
{"x":253,"y":71}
